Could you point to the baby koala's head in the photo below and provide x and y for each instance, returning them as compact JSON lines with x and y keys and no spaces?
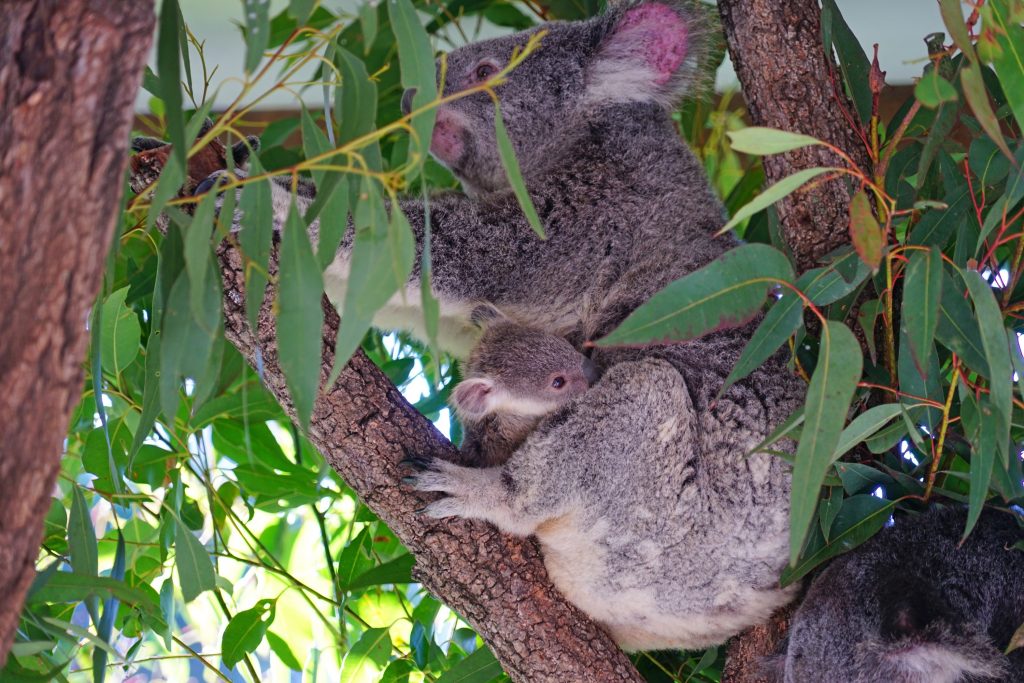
{"x":518,"y":371}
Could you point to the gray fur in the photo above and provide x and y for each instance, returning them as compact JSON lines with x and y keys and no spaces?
{"x":913,"y":606}
{"x":651,"y":518}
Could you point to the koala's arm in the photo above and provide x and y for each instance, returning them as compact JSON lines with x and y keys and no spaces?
{"x":611,"y":444}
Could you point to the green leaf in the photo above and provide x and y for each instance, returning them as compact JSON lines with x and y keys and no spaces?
{"x":932,"y":90}
{"x":300,"y":10}
{"x":983,"y":458}
{"x":865,"y":233}
{"x":167,"y":186}
{"x":860,"y":518}
{"x":416,"y":59}
{"x":977,"y":99}
{"x":781,"y":189}
{"x":515,"y":175}
{"x":853,"y":63}
{"x":479,"y":667}
{"x":65,"y":587}
{"x":828,"y":399}
{"x":1007,"y":52}
{"x":257,"y":31}
{"x":300,"y":317}
{"x":953,"y":18}
{"x":397,"y":570}
{"x":245,"y":632}
{"x":168,"y":63}
{"x":82,"y":537}
{"x":195,"y":570}
{"x":957,"y":328}
{"x":280,"y":648}
{"x":119,"y":333}
{"x":997,"y":353}
{"x":922,"y":294}
{"x":355,"y":105}
{"x":781,"y":321}
{"x":762,"y":141}
{"x":367,"y":657}
{"x":199,"y":256}
{"x":725,"y":293}
{"x":864,"y":426}
{"x":256,"y":239}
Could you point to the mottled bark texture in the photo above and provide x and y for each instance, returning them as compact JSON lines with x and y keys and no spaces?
{"x":790,"y":83}
{"x":69,"y":71}
{"x":786,"y":76}
{"x":364,"y":428}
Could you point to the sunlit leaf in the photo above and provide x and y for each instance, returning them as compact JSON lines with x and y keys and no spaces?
{"x":82,"y":537}
{"x":779,"y":190}
{"x":119,"y":333}
{"x":367,"y":657}
{"x":245,"y":631}
{"x":761,"y":141}
{"x":478,"y":667}
{"x":168,"y":64}
{"x":195,"y":570}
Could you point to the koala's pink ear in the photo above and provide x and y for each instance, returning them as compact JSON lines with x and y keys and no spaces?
{"x":472,"y":398}
{"x":651,"y":53}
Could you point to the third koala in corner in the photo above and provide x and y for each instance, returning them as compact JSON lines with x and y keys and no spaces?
{"x":915,"y":605}
{"x":515,"y":376}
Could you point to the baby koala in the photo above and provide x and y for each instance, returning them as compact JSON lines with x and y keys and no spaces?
{"x":516,"y":376}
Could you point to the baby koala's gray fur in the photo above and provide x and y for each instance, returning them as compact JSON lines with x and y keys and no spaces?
{"x":650,"y":517}
{"x":515,"y":376}
{"x":913,"y":605}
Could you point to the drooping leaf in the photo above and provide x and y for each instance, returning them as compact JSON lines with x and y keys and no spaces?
{"x":280,"y":647}
{"x":997,"y":353}
{"x":367,"y":657}
{"x":256,"y":238}
{"x":515,"y":175}
{"x":257,"y":31}
{"x":245,"y":631}
{"x":983,"y":458}
{"x":1003,"y":40}
{"x":416,"y":59}
{"x":957,"y":328}
{"x":119,"y":333}
{"x":299,"y":316}
{"x":479,"y":667}
{"x":977,"y":99}
{"x":168,"y":64}
{"x":199,"y":255}
{"x":828,"y":398}
{"x":761,"y":141}
{"x":864,"y":426}
{"x":355,"y":105}
{"x":953,"y":18}
{"x":922,"y":294}
{"x":779,"y":190}
{"x":865,"y":233}
{"x":195,"y":570}
{"x":853,"y":63}
{"x":725,"y":293}
{"x":82,"y":537}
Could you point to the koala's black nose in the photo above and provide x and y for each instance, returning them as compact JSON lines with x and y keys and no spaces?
{"x":590,"y":371}
{"x":407,"y":100}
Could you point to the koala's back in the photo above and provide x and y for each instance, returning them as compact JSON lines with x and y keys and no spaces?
{"x":658,"y":544}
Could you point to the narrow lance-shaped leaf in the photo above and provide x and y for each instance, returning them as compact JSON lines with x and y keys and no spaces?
{"x":865,"y":233}
{"x":983,"y":458}
{"x":82,"y":537}
{"x":1003,"y":40}
{"x":256,"y":238}
{"x":997,"y":353}
{"x":977,"y":99}
{"x":257,"y":31}
{"x":922,"y":294}
{"x":725,"y":293}
{"x":853,"y":62}
{"x":761,"y":141}
{"x":355,"y":105}
{"x":168,"y":62}
{"x":781,"y":189}
{"x":479,"y":667}
{"x":199,"y":254}
{"x":430,"y":304}
{"x":299,"y":316}
{"x":828,"y":399}
{"x":778,"y":325}
{"x":119,"y":333}
{"x":515,"y":175}
{"x":110,"y":609}
{"x":416,"y":59}
{"x":195,"y":570}
{"x":864,"y":426}
{"x":953,"y":18}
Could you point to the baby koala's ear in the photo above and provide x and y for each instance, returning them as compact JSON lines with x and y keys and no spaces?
{"x":241,"y":150}
{"x":486,"y":314}
{"x":473,"y":398}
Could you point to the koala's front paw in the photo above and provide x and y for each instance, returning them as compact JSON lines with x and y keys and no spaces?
{"x":434,"y":474}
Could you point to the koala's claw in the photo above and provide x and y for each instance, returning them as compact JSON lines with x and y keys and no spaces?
{"x":420,"y":463}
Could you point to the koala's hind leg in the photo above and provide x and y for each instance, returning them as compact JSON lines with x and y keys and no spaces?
{"x":486,"y":493}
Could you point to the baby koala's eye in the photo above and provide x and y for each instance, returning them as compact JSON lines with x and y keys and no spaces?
{"x":485,"y":71}
{"x":558,"y":382}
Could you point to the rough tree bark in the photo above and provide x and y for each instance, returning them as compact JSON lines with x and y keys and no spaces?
{"x":776,"y":48}
{"x":786,"y":77}
{"x":69,"y":70}
{"x":364,"y":428}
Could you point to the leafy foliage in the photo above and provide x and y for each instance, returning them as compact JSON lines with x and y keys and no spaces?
{"x":196,"y":532}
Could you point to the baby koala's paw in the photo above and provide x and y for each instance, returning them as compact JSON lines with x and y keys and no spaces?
{"x":434,"y":474}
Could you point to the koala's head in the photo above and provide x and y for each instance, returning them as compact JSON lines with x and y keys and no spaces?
{"x":638,"y":52}
{"x":519,"y":371}
{"x":901,"y":630}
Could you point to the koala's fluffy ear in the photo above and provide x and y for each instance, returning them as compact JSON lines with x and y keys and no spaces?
{"x":241,"y":150}
{"x":652,"y":52}
{"x":924,"y":642}
{"x":472,"y":398}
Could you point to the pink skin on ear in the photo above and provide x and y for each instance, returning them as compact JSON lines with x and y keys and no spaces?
{"x":661,"y":36}
{"x":471,"y":397}
{"x":446,"y":141}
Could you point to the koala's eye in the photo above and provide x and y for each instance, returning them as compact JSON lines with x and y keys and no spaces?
{"x":558,"y":382}
{"x":485,"y":70}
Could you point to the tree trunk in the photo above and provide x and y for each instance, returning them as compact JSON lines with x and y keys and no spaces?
{"x":69,"y":71}
{"x":787,"y":80}
{"x":364,"y":428}
{"x":786,"y":76}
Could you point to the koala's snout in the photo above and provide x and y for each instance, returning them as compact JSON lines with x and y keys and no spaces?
{"x":407,"y":100}
{"x":447,"y":142}
{"x":590,"y":372}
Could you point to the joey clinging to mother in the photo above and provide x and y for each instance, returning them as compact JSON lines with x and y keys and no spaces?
{"x":625,"y":205}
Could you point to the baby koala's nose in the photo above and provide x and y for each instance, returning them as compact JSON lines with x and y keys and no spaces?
{"x":407,"y":100}
{"x":590,"y":371}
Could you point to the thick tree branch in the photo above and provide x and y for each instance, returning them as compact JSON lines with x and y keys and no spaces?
{"x":786,"y":76}
{"x":364,"y":428}
{"x":69,"y":71}
{"x":776,"y":48}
